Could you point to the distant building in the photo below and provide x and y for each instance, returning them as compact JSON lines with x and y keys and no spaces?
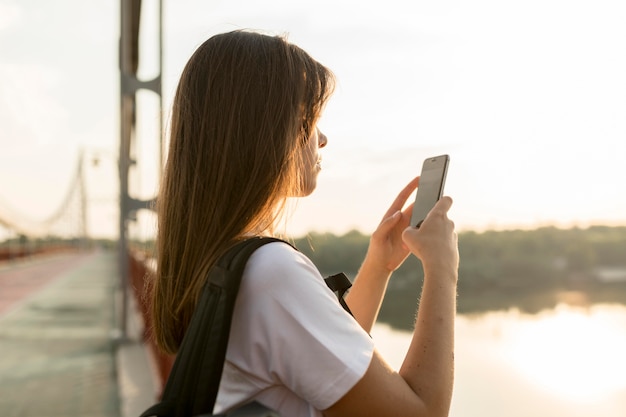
{"x":609,"y":275}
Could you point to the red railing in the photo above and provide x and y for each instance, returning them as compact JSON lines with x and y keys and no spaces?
{"x":139,"y":274}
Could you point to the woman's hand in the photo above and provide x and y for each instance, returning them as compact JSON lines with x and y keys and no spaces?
{"x":387,"y":251}
{"x":435,"y":243}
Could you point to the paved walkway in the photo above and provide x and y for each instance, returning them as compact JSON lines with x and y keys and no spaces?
{"x":58,"y":351}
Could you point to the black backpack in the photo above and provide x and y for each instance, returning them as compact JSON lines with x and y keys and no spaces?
{"x":194,"y":379}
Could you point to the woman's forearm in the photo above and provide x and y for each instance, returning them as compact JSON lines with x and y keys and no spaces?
{"x":429,"y":364}
{"x":367,"y":293}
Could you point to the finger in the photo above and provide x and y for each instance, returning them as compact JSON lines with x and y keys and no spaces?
{"x":389,"y":223}
{"x":443,"y":205}
{"x":408,"y":235}
{"x":408,"y":210}
{"x":400,"y":200}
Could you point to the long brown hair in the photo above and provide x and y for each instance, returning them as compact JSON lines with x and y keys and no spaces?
{"x":244,"y":106}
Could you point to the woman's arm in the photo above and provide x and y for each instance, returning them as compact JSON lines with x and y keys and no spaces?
{"x":423,"y":385}
{"x":385,"y":254}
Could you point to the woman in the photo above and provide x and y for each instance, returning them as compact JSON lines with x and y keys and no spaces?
{"x":243,"y":140}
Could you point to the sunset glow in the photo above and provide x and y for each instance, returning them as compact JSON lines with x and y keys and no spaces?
{"x":573,"y":353}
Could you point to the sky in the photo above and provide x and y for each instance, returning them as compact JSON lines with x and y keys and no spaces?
{"x":528,"y":99}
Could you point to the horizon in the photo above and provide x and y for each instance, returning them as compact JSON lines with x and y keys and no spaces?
{"x":312,"y":233}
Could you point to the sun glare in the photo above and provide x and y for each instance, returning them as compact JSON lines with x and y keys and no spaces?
{"x":577,"y":354}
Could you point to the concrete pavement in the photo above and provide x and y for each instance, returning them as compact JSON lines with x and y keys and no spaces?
{"x":59,"y":350}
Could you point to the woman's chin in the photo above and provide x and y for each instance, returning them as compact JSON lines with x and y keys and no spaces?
{"x":306,"y":190}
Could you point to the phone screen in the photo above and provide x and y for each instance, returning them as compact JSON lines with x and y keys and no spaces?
{"x":430,"y":190}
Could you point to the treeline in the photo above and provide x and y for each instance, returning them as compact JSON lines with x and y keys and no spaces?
{"x":530,"y":270}
{"x":526,"y":269}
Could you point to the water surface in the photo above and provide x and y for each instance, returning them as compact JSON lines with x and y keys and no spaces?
{"x":567,"y":361}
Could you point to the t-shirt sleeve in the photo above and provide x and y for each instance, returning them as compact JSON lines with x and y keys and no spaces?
{"x":294,"y":332}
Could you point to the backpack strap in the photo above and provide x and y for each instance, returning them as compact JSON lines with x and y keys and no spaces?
{"x":339,"y":284}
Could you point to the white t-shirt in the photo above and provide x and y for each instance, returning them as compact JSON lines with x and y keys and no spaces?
{"x":292,"y":346}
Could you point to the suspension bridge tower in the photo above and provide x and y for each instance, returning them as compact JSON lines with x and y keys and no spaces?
{"x":130,"y":84}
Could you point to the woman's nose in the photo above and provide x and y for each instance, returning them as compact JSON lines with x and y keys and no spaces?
{"x":322,"y":139}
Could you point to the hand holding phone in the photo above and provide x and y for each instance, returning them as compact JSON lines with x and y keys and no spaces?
{"x":430,"y":189}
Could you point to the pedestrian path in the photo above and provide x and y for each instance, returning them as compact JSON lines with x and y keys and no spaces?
{"x":58,"y":352}
{"x":22,"y":277}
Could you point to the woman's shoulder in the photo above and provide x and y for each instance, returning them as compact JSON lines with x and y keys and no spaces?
{"x":280,"y":255}
{"x":277,"y":260}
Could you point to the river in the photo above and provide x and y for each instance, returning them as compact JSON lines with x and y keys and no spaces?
{"x":568,"y":361}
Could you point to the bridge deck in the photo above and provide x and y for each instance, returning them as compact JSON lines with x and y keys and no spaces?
{"x":58,"y":351}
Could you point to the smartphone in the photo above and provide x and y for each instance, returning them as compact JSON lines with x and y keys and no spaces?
{"x":430,"y":190}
